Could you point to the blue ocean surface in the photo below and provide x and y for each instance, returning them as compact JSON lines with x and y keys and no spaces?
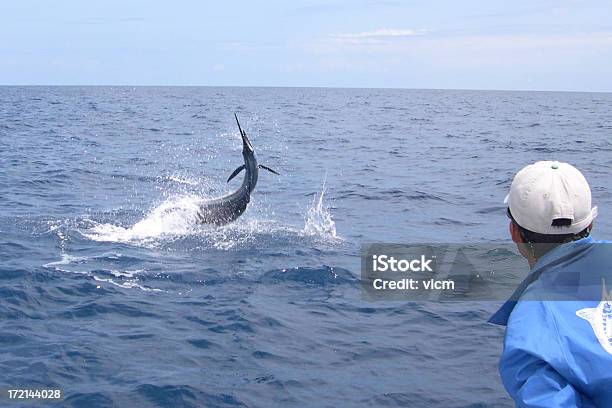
{"x":111,"y":292}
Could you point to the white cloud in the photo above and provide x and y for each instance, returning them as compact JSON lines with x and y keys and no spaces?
{"x":508,"y":61}
{"x":383,"y":33}
{"x":376,"y":36}
{"x":508,"y":46}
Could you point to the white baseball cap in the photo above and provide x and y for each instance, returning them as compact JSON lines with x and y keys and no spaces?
{"x":548,"y":190}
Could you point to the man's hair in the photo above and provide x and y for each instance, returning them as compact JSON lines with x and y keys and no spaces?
{"x":549,"y":241}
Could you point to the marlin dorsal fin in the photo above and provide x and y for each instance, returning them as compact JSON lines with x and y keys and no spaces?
{"x":235,"y":173}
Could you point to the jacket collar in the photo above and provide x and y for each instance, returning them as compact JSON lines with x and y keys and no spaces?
{"x":503,"y":314}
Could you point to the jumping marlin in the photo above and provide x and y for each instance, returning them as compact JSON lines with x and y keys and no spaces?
{"x":228,"y":208}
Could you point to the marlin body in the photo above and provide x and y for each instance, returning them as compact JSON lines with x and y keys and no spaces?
{"x":226,"y":209}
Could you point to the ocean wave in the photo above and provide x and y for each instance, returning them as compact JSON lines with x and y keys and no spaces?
{"x":129,"y":284}
{"x":186,"y":396}
{"x":66,"y":259}
{"x":325,"y":275}
{"x":82,"y":265}
{"x":393,"y":193}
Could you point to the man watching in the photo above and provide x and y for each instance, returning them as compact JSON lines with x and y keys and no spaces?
{"x":558,"y":345}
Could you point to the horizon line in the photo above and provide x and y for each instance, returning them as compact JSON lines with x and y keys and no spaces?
{"x":302,"y":87}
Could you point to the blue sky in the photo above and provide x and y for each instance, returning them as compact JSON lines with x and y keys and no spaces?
{"x":542,"y":45}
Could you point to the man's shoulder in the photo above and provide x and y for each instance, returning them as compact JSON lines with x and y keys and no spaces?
{"x":545,"y":315}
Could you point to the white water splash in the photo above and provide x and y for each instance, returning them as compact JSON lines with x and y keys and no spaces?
{"x":183,"y":180}
{"x":319,"y":221}
{"x":175,"y":217}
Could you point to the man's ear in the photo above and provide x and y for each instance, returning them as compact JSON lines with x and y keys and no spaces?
{"x":515,"y":233}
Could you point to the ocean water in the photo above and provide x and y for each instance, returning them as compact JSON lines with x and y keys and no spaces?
{"x":109,"y":291}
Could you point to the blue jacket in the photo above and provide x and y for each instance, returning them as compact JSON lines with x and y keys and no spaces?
{"x":558,"y":345}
